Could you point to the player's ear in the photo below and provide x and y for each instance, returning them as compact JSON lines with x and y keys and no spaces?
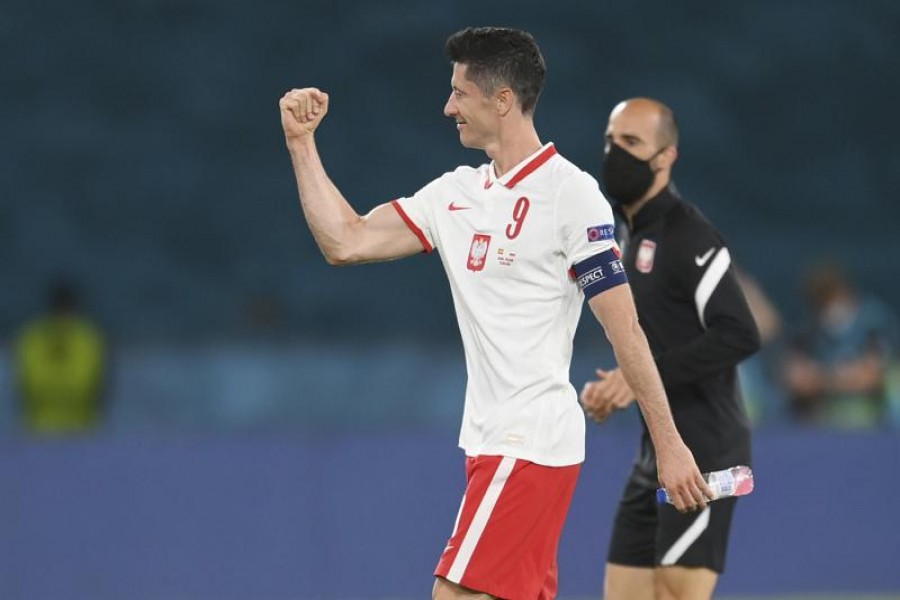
{"x":504,"y":100}
{"x":667,"y":157}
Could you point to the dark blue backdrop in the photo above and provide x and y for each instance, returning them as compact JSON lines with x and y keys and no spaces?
{"x":142,"y":150}
{"x":141,"y":154}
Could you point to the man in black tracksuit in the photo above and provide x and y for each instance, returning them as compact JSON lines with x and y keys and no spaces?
{"x":699,"y":327}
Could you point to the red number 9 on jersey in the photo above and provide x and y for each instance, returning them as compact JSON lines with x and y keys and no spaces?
{"x":519,"y":212}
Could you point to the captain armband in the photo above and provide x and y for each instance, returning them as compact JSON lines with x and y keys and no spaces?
{"x":599,"y":273}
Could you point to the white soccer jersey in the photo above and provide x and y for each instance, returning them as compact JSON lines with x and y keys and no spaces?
{"x":507,"y":245}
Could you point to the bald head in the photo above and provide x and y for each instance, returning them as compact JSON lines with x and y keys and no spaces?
{"x":655,"y":120}
{"x":645,"y":129}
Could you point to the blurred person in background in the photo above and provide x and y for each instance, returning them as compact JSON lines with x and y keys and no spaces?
{"x":61,"y":367}
{"x":758,"y":374}
{"x":837,"y":367}
{"x":509,"y":233}
{"x":699,"y":328}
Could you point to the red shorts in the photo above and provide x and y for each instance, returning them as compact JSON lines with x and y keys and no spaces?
{"x":507,"y":531}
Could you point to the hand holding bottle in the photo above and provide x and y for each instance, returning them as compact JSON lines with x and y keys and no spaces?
{"x":736,"y":481}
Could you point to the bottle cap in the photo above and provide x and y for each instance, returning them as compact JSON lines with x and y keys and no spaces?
{"x":661,"y":496}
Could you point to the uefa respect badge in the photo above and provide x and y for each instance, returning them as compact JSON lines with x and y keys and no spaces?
{"x":598,"y":233}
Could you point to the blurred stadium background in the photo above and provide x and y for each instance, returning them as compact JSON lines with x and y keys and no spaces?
{"x":279,"y":429}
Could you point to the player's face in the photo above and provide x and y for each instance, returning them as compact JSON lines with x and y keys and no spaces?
{"x":634,"y":130}
{"x":475,"y":114}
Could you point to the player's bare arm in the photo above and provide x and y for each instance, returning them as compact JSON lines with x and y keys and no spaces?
{"x":676,"y":466}
{"x":343,"y":236}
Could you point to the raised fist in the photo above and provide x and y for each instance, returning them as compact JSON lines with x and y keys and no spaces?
{"x":302,"y":111}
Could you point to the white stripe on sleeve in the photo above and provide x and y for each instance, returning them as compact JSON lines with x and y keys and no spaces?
{"x":479,"y":522}
{"x":710,"y":281}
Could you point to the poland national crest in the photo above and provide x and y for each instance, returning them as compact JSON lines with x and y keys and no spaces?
{"x":645,"y":255}
{"x":478,"y":251}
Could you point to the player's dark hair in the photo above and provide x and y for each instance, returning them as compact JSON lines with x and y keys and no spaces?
{"x":498,"y":56}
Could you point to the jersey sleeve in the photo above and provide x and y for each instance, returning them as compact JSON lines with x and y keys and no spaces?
{"x":730,"y":335}
{"x":587,"y":232}
{"x":417,"y":211}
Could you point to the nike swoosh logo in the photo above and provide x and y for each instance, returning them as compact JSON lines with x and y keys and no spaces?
{"x":702,"y":260}
{"x":453,"y":207}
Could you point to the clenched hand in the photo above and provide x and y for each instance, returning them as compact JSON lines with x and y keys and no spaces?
{"x":302,"y":110}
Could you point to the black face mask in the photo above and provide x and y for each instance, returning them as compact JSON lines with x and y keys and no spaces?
{"x":626,"y":177}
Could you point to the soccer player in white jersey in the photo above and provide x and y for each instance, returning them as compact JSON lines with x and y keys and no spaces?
{"x":523,"y":240}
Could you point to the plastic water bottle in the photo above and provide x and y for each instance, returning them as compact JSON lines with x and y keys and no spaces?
{"x":736,"y":481}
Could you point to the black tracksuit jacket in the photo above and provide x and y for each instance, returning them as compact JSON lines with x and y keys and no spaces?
{"x":699,"y":327}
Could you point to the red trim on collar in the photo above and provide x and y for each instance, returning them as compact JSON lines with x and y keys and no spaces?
{"x":532,"y":166}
